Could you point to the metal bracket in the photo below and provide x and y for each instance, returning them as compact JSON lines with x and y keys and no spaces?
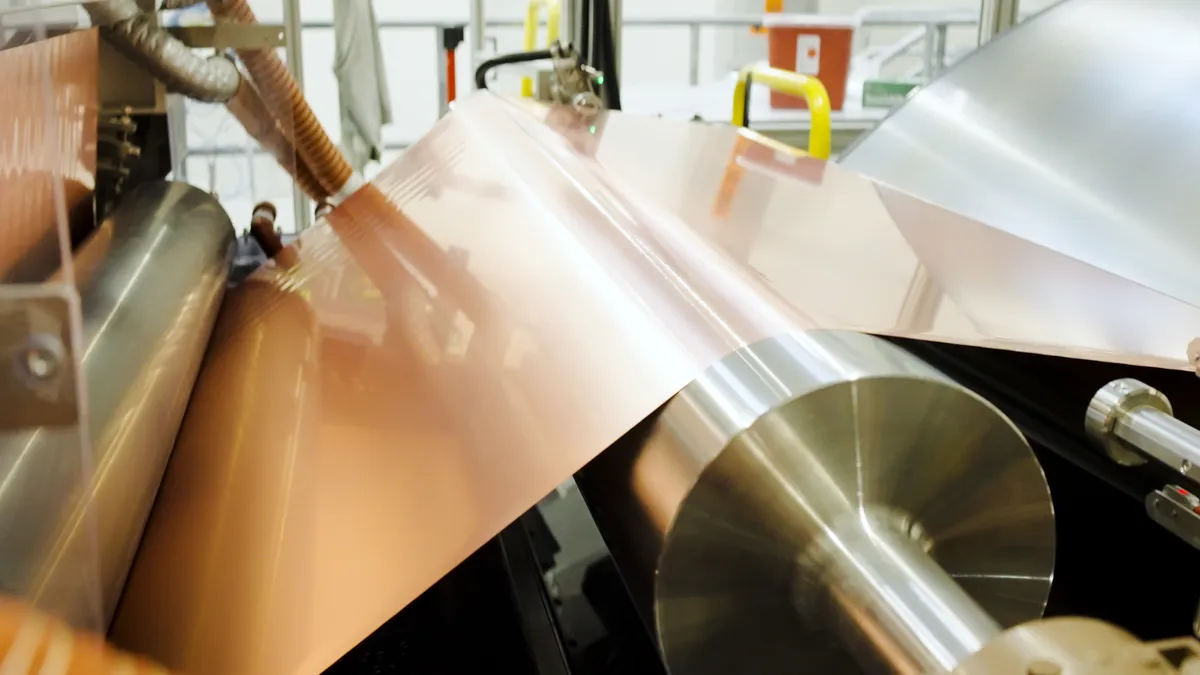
{"x":1176,"y":509}
{"x":37,"y":366}
{"x":231,"y":36}
{"x":568,"y":81}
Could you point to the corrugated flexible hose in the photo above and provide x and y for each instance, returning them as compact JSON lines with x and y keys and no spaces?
{"x":281,"y":93}
{"x":252,"y":112}
{"x":218,"y":80}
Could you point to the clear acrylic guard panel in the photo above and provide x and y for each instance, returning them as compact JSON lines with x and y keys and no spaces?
{"x":48,"y":544}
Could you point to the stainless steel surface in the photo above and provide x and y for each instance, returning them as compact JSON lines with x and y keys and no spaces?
{"x":229,"y":35}
{"x":934,"y":37}
{"x":476,"y":35}
{"x":789,"y":505}
{"x":1162,"y":437}
{"x":1088,"y":170}
{"x":443,"y":92}
{"x":516,"y":292}
{"x":930,"y":66}
{"x":694,"y":56}
{"x":1175,"y":509}
{"x":1110,"y":404}
{"x":148,"y":307}
{"x":1132,"y":421}
{"x":38,"y":383}
{"x":294,"y":35}
{"x":997,"y":16}
{"x":126,"y":86}
{"x":892,"y":603}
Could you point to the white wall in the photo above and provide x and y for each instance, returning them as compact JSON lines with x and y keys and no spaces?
{"x":651,"y":55}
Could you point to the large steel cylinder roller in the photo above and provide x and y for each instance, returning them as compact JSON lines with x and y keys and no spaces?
{"x":151,"y":279}
{"x":825,"y":502}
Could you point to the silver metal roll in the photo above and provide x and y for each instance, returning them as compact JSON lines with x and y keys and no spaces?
{"x":151,"y":280}
{"x":1027,"y":155}
{"x":825,"y":502}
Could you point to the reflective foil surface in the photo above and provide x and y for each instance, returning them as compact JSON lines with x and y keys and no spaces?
{"x":48,"y":120}
{"x":1052,"y":135}
{"x":514,"y":294}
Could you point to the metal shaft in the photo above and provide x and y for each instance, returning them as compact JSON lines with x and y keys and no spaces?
{"x":995,"y":17}
{"x":894,"y":606}
{"x":477,"y":34}
{"x":1132,"y":420}
{"x":294,"y":30}
{"x":1162,"y":437}
{"x":760,"y":525}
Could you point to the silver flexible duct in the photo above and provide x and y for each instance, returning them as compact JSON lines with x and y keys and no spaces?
{"x":112,"y":11}
{"x":214,"y":79}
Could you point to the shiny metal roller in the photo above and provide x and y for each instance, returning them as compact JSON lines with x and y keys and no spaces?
{"x":825,"y":502}
{"x":151,"y":280}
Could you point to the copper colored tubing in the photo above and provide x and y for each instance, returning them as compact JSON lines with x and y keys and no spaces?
{"x":251,"y":111}
{"x":281,"y":93}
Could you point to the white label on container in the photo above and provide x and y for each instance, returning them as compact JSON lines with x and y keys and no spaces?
{"x":808,"y":54}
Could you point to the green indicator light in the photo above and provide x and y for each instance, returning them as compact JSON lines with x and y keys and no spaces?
{"x":599,"y":79}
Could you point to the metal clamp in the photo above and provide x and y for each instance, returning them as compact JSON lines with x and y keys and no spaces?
{"x":1176,"y":509}
{"x":571,"y":82}
{"x":226,"y":35}
{"x":820,"y":133}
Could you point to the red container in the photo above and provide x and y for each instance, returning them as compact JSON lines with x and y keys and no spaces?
{"x":811,"y":44}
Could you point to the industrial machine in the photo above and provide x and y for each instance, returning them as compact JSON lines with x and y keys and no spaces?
{"x":565,"y":390}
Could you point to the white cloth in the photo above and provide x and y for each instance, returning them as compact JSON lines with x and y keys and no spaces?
{"x":362,"y":81}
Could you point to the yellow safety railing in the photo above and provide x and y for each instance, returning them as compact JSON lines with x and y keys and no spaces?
{"x":820,"y":133}
{"x":532,"y":16}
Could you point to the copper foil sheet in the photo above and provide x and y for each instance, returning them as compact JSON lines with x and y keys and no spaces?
{"x":504,"y":302}
{"x":48,"y":120}
{"x":853,"y":253}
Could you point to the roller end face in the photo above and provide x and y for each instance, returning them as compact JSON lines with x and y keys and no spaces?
{"x":1115,"y":400}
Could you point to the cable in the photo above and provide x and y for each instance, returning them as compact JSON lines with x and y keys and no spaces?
{"x":746,"y":100}
{"x":505,"y":60}
{"x":585,"y":31}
